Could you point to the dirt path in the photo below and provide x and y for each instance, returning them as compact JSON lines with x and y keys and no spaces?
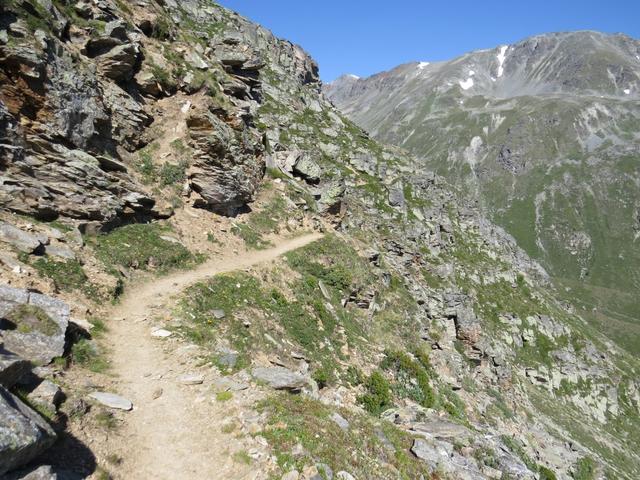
{"x":177,"y":435}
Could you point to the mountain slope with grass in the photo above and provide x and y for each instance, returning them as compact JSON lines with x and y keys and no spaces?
{"x":224,"y":248}
{"x":544,"y":133}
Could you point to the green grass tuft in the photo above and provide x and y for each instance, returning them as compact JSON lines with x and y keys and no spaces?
{"x":140,"y":246}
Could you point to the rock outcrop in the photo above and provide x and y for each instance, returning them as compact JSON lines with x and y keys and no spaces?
{"x":34,"y":325}
{"x":23,"y":433}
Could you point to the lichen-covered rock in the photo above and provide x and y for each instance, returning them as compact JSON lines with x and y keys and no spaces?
{"x":34,"y":325}
{"x":56,"y":117}
{"x":307,"y":168}
{"x":23,"y":433}
{"x":281,"y":378}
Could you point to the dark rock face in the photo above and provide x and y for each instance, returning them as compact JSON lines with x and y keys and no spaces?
{"x":56,"y":114}
{"x":228,"y":164}
{"x":23,"y":433}
{"x":66,"y":118}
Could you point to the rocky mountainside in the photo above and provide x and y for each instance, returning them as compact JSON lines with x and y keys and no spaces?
{"x":415,"y":339}
{"x":544,"y":133}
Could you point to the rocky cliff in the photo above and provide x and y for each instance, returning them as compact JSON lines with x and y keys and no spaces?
{"x":414,"y":340}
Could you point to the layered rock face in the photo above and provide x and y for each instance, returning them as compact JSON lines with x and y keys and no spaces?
{"x":77,"y":97}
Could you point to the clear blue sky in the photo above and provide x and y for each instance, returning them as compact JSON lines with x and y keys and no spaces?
{"x":365,"y":37}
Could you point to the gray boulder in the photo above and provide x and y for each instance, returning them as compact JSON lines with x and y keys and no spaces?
{"x":230,"y":56}
{"x":342,"y":475}
{"x":44,"y":472}
{"x":396,"y":195}
{"x":431,"y":453}
{"x":23,"y":433}
{"x":117,"y":29}
{"x":47,"y":395}
{"x":331,"y":197}
{"x":281,"y":378}
{"x":37,"y":324}
{"x":307,"y":168}
{"x":60,"y":251}
{"x":440,"y":456}
{"x":442,"y":430}
{"x":339,"y":420}
{"x":12,"y":368}
{"x":119,"y":63}
{"x":23,"y":241}
{"x":468,"y":326}
{"x":364,"y":162}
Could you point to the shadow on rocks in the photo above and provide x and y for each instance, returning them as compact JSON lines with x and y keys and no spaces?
{"x":70,"y":458}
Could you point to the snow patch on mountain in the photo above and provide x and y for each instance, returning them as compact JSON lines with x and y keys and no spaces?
{"x":502,"y":56}
{"x":423,"y":65}
{"x":472,"y":152}
{"x":466,"y":84}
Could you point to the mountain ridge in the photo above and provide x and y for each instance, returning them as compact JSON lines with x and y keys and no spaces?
{"x":462,"y":122}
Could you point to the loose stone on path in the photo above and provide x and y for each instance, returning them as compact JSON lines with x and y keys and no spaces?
{"x":191,"y":379}
{"x":111,"y":400}
{"x":161,"y":333}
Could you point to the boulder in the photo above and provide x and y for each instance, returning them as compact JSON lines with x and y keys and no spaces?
{"x":191,"y":379}
{"x":230,"y":56}
{"x":119,"y":62}
{"x":281,"y":378}
{"x":12,"y":368}
{"x":364,"y":162}
{"x":468,"y":326}
{"x":431,"y":453}
{"x":339,"y":420}
{"x":331,"y":196}
{"x":342,"y":475}
{"x":44,"y":472}
{"x":148,"y":83}
{"x":100,"y":45}
{"x":60,"y":251}
{"x":47,"y":395}
{"x":58,"y":181}
{"x":441,"y":429}
{"x":23,"y":241}
{"x":117,"y":29}
{"x":307,"y":168}
{"x":23,"y":433}
{"x":35,"y":324}
{"x":396,"y":195}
